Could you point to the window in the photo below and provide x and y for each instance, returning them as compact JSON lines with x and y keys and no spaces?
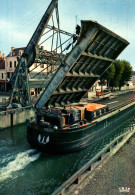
{"x":2,"y":75}
{"x":15,"y":64}
{"x":8,"y":75}
{"x":10,"y":64}
{"x":42,"y":66}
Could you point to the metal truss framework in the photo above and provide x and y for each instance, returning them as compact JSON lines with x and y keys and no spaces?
{"x":35,"y":53}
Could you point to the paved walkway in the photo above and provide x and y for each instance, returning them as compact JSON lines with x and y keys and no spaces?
{"x":118,"y":174}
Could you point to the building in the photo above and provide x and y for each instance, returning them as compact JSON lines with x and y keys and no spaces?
{"x":12,"y":61}
{"x":133,"y":77}
{"x":8,"y":65}
{"x":2,"y":73}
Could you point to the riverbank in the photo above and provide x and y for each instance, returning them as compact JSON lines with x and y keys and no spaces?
{"x":115,"y":176}
{"x":92,"y":95}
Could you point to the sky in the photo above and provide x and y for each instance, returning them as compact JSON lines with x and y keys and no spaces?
{"x":19,"y":19}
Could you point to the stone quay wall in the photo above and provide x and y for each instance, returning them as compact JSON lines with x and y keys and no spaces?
{"x":16,"y":116}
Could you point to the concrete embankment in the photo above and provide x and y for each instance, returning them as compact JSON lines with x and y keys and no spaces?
{"x":116,"y":176}
{"x":17,"y":116}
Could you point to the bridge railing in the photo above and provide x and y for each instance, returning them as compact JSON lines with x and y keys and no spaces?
{"x":122,"y":105}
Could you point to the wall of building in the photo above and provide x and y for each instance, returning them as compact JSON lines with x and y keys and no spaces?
{"x":11,"y":63}
{"x":36,"y":67}
{"x":2,"y":74}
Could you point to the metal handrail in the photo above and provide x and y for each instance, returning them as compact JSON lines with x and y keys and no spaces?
{"x":122,"y":105}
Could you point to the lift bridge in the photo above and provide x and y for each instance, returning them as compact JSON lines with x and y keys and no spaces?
{"x":75,"y":61}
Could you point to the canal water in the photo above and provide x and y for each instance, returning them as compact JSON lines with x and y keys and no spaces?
{"x":24,"y":170}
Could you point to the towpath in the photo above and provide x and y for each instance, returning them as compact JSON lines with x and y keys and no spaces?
{"x":118,"y":99}
{"x":113,"y":99}
{"x":115,"y":177}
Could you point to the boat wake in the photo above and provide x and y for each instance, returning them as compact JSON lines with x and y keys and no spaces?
{"x":21,"y":161}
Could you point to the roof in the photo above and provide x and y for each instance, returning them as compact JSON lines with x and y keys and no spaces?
{"x":15,"y":52}
{"x":93,"y":53}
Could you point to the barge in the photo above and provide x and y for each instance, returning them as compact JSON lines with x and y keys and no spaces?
{"x":62,"y":124}
{"x":56,"y":132}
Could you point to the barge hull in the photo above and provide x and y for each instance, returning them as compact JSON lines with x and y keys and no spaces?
{"x":72,"y":140}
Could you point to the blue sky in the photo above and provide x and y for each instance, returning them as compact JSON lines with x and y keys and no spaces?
{"x":19,"y":19}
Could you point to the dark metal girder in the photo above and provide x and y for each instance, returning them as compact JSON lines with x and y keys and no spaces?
{"x":61,"y":31}
{"x":80,"y":75}
{"x":97,"y":57}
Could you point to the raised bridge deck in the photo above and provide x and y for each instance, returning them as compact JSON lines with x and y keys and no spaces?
{"x":95,"y":50}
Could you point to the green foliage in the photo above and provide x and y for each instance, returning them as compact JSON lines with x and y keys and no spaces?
{"x":117,"y":74}
{"x":119,"y":68}
{"x":127,"y":71}
{"x":110,"y":73}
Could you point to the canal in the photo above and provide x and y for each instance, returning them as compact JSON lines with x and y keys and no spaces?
{"x":24,"y":170}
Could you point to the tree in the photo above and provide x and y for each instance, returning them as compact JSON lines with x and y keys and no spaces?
{"x":127,"y":72}
{"x":108,"y":76}
{"x":119,"y":68}
{"x":117,"y":74}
